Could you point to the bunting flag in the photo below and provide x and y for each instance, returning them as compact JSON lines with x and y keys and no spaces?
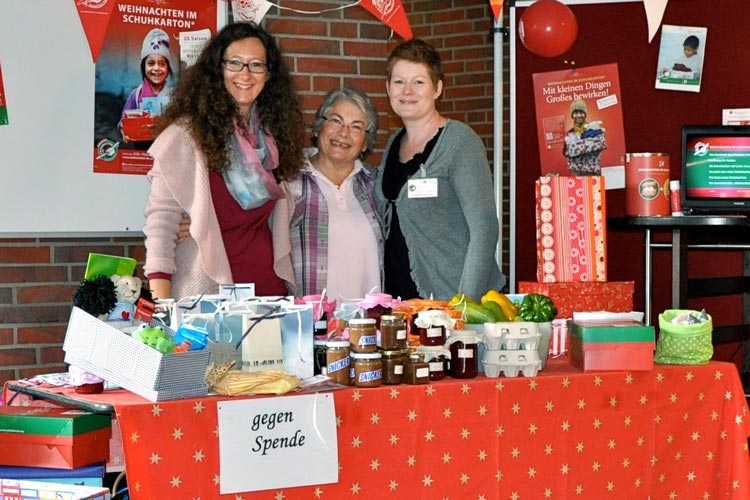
{"x":391,"y":12}
{"x":95,"y":16}
{"x":250,"y":10}
{"x":654,"y":14}
{"x":497,"y":8}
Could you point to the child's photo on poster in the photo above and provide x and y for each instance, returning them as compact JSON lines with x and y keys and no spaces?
{"x":681,"y":53}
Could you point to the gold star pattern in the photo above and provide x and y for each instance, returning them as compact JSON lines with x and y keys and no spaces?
{"x":175,"y":481}
{"x":134,"y":437}
{"x":356,"y":395}
{"x":446,"y":458}
{"x":177,"y":434}
{"x":595,"y":466}
{"x":531,"y":473}
{"x":613,"y":402}
{"x":430,"y":390}
{"x":464,"y":478}
{"x":155,"y":458}
{"x":482,"y":456}
{"x":393,"y":439}
{"x":374,"y":419}
{"x":499,"y":385}
{"x":429,"y":436}
{"x":532,"y":384}
{"x":394,"y":393}
{"x":516,"y":408}
{"x":549,"y":406}
{"x":482,"y":410}
{"x":427,"y":480}
{"x":356,"y":442}
{"x":279,"y":496}
{"x":689,"y":376}
{"x":156,"y":410}
{"x":412,"y":416}
{"x":597,"y":381}
{"x":198,"y":407}
{"x":465,"y":433}
{"x":355,"y":488}
{"x":548,"y":449}
{"x":532,"y":429}
{"x":447,"y":413}
{"x":564,"y":469}
{"x":411,"y":461}
{"x":565,"y":426}
{"x":318,"y":492}
{"x":581,"y":404}
{"x":465,"y":389}
{"x":392,"y":485}
{"x":198,"y":456}
{"x":374,"y":465}
{"x":565,"y":382}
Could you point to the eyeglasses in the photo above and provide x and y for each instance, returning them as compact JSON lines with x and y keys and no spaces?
{"x":236,"y":66}
{"x":336,"y":124}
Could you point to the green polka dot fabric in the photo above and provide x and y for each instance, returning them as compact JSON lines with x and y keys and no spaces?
{"x":683,"y":344}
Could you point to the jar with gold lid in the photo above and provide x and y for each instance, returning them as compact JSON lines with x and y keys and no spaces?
{"x":416,"y":370}
{"x":393,"y":366}
{"x":393,"y":332}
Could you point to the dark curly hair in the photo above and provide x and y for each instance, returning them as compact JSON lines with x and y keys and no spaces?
{"x":202,"y":101}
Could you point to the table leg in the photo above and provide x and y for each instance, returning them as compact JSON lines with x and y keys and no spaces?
{"x":647,"y":278}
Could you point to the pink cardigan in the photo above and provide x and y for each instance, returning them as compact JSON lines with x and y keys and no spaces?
{"x":180,"y":184}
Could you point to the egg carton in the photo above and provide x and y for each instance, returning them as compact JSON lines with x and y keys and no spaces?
{"x":512,"y":336}
{"x":511,"y":363}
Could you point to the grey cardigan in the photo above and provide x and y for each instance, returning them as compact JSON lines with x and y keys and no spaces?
{"x":451,"y":238}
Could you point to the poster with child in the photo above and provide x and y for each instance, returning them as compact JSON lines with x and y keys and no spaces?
{"x":579,"y":123}
{"x":680,"y":64}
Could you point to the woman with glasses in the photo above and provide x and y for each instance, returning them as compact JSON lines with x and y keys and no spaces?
{"x":233,"y":131}
{"x":434,"y":190}
{"x":335,"y":236}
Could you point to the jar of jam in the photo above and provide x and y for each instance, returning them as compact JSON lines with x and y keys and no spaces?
{"x":464,"y":357}
{"x":337,"y":361}
{"x":319,"y":357}
{"x":432,"y":335}
{"x":416,"y":370}
{"x":368,"y":369}
{"x":362,"y":335}
{"x":377,"y":312}
{"x":393,"y":332}
{"x":393,"y":366}
{"x":438,"y":360}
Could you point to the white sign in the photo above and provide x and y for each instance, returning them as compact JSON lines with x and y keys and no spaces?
{"x":280,"y":442}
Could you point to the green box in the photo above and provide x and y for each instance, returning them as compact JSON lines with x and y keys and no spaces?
{"x":611,"y":331}
{"x":50,"y":421}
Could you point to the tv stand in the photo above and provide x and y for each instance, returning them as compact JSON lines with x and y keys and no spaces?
{"x":698,"y":232}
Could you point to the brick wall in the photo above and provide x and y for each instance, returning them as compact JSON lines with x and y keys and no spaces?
{"x":345,"y":47}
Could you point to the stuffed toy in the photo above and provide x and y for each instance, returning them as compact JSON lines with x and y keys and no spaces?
{"x":128,"y":288}
{"x":154,"y":336}
{"x":96,"y":296}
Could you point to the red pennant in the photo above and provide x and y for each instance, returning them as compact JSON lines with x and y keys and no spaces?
{"x":497,"y":8}
{"x":95,"y":16}
{"x":391,"y":12}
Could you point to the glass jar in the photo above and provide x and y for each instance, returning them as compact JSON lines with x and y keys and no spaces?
{"x":433,"y":335}
{"x":362,"y":335}
{"x":337,"y":361}
{"x":320,"y":357}
{"x":393,"y":366}
{"x":393,"y":332}
{"x":464,"y":357}
{"x":438,"y":359}
{"x":368,"y":369}
{"x":416,"y":370}
{"x":377,"y":312}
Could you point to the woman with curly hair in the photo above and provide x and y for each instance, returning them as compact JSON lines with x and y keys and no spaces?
{"x":233,"y":132}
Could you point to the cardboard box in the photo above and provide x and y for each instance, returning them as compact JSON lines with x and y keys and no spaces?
{"x":53,"y":437}
{"x":608,"y":346}
{"x":613,"y":296}
{"x":14,"y":489}
{"x":118,"y":358}
{"x":571,"y":232}
{"x":88,"y":475}
{"x":139,"y":128}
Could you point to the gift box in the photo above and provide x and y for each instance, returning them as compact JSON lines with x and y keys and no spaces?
{"x":571,"y":231}
{"x":60,"y":438}
{"x":15,"y":489}
{"x":118,"y":358}
{"x":613,"y":296}
{"x":138,"y":128}
{"x":559,"y":342}
{"x":88,"y":475}
{"x":607,"y":346}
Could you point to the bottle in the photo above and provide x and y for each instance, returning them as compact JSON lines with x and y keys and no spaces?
{"x":675,"y":202}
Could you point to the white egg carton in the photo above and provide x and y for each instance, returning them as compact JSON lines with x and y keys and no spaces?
{"x":512,"y":336}
{"x":511,"y":363}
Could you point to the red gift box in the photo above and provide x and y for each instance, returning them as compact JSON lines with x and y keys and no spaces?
{"x":138,"y":128}
{"x":571,"y":235}
{"x":625,"y":345}
{"x":32,"y":436}
{"x":612,"y":296}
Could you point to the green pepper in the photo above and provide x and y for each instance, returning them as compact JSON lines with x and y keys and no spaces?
{"x":537,"y":308}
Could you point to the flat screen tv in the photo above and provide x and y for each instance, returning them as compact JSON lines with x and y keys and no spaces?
{"x":715,"y":169}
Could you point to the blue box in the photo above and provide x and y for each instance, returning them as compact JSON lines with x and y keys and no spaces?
{"x":88,"y":475}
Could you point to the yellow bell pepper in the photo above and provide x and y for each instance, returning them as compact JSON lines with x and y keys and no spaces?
{"x":509,"y":309}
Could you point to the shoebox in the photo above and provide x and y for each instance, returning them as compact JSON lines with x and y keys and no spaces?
{"x":115,"y":356}
{"x":611,"y":345}
{"x":88,"y":475}
{"x":576,"y":296}
{"x":571,"y":233}
{"x":32,"y":436}
{"x":15,"y":489}
{"x":139,"y":128}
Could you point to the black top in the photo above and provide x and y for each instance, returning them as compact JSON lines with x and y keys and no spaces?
{"x":398,"y":280}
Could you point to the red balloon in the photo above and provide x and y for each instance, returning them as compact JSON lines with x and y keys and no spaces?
{"x":548,"y":28}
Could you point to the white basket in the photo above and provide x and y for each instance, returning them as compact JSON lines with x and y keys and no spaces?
{"x":116,"y":357}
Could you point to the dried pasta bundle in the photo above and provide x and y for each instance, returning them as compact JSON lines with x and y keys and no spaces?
{"x":236,"y":382}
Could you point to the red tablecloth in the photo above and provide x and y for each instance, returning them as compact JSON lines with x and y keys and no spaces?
{"x":677,"y":432}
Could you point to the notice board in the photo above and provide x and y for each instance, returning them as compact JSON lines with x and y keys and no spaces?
{"x":617,"y":32}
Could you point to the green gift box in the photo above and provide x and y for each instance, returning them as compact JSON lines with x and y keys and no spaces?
{"x":611,"y":345}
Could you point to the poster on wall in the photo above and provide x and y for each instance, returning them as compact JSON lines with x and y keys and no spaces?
{"x":145,"y":48}
{"x":579,"y":123}
{"x":3,"y":104}
{"x":680,"y":64}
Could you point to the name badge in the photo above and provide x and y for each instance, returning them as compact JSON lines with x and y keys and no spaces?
{"x":422,"y":188}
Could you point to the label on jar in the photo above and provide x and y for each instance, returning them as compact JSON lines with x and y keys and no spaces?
{"x":436,"y":366}
{"x":339,"y":364}
{"x":371,"y":376}
{"x":398,"y":369}
{"x":465,"y":353}
{"x":400,"y":334}
{"x":423,"y":372}
{"x":367,"y":340}
{"x":435,"y":332}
